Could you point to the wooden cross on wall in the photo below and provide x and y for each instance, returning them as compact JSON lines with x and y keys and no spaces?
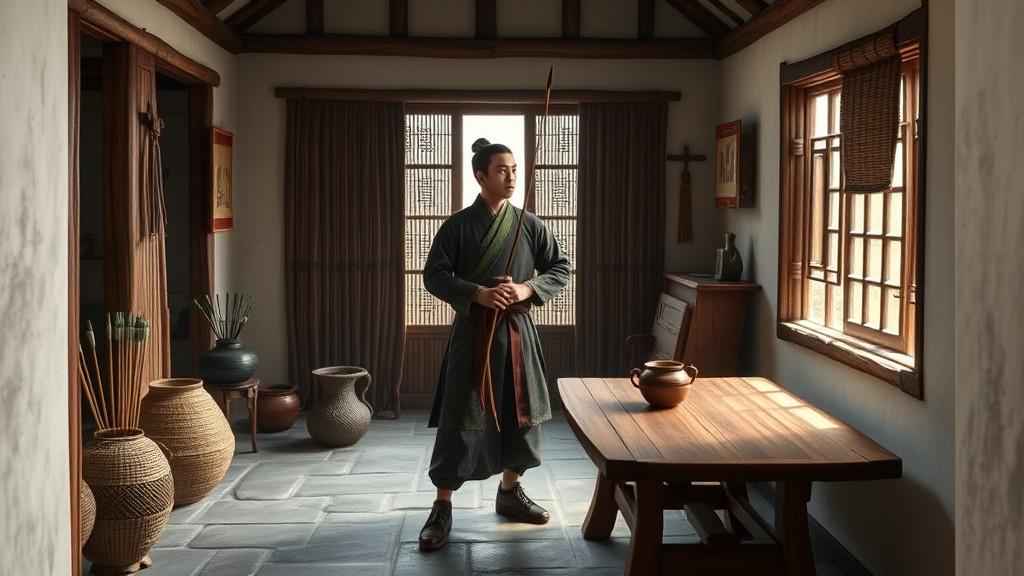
{"x":686,"y":192}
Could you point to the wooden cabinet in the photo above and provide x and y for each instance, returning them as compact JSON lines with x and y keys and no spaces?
{"x":719,"y":310}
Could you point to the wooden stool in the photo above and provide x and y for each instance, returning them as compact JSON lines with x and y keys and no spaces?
{"x":224,"y":393}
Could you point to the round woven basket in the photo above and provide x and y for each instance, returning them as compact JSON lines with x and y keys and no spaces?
{"x":180,"y":414}
{"x":131,"y":483}
{"x":87,"y":511}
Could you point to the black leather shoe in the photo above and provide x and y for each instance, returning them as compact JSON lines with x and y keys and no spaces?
{"x":517,"y":505}
{"x":434,"y":534}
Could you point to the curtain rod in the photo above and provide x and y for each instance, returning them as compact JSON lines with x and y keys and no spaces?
{"x":474,"y":96}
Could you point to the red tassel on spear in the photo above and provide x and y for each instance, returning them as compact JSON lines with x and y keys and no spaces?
{"x":486,"y":384}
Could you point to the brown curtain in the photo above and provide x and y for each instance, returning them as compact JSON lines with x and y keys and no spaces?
{"x":869,"y":114}
{"x":621,"y":230}
{"x":344,"y":242}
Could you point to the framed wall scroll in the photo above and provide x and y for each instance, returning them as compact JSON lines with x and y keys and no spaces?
{"x":222,"y":198}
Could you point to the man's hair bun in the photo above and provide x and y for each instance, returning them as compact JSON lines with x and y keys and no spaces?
{"x":479,"y":145}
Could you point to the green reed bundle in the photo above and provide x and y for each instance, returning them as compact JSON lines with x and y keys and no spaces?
{"x":117,"y":404}
{"x":228,"y":320}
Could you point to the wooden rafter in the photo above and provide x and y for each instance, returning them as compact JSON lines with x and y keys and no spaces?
{"x":753,"y":6}
{"x":314,"y":16}
{"x":206,"y":22}
{"x":570,"y":18}
{"x":704,"y":19}
{"x":216,"y":6}
{"x":727,"y":11}
{"x":645,"y":19}
{"x":474,"y":96}
{"x":486,"y":19}
{"x":399,"y":18}
{"x":251,"y":13}
{"x":661,"y":48}
{"x":772,"y":17}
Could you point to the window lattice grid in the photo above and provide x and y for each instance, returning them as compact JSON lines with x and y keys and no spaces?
{"x":560,"y":310}
{"x":558,"y":140}
{"x":421,"y":307}
{"x":428,"y":139}
{"x":428,"y":191}
{"x":556,"y":191}
{"x":564,"y":231}
{"x":419,"y":233}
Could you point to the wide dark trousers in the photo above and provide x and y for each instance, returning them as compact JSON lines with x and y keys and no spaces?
{"x":461,"y":455}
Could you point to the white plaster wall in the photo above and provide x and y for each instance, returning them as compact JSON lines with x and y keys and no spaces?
{"x":35,"y":525}
{"x":894,"y":527}
{"x":166,"y":25}
{"x":990,"y":271}
{"x":260,"y":209}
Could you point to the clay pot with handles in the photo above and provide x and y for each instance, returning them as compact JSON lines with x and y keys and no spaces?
{"x":664,"y":383}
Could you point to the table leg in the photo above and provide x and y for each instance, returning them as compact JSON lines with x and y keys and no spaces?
{"x":645,"y":545}
{"x":252,"y":416}
{"x":791,"y":529}
{"x":603,"y":510}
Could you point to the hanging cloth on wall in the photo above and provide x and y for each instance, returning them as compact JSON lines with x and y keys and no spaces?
{"x":154,"y":213}
{"x":869,"y":113}
{"x":686,"y":192}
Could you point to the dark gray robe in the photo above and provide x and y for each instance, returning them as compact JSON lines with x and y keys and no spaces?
{"x":453,"y":273}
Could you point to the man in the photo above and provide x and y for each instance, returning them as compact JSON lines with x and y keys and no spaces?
{"x":465,"y":268}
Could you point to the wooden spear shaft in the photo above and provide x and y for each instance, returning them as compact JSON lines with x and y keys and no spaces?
{"x":488,"y":384}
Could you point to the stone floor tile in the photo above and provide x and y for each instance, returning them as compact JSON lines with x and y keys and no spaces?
{"x":610,"y":553}
{"x":483,"y":525}
{"x":253,"y":536}
{"x":185,"y":514}
{"x":235,"y":472}
{"x":360,"y":503}
{"x":324,"y":570}
{"x":177,"y":535}
{"x":290,"y":511}
{"x":452,"y":560}
{"x":493,"y":556}
{"x":467,"y":497}
{"x":348,"y":539}
{"x":177,"y":561}
{"x":357,"y":484}
{"x":272,"y":480}
{"x":235,"y":563}
{"x":567,"y":469}
{"x":383,"y":460}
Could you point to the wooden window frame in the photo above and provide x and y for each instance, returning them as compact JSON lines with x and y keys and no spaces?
{"x":872,"y":355}
{"x":457,"y":111}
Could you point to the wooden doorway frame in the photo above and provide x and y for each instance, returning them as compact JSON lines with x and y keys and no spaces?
{"x":91,"y":18}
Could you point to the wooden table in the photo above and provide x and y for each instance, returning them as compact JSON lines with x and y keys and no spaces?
{"x":224,"y":393}
{"x":698,"y":456}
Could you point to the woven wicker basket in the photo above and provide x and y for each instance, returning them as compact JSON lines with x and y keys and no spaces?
{"x":87,"y":511}
{"x":131,"y":482}
{"x":180,"y":414}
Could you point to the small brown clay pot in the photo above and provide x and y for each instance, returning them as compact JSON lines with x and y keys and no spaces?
{"x":664,"y":383}
{"x":277,"y":408}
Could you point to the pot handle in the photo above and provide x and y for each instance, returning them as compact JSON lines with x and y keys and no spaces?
{"x":693,"y":376}
{"x":362,"y":393}
{"x":633,"y":375}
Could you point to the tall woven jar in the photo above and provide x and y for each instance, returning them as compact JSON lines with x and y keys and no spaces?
{"x":87,"y":511}
{"x":180,"y":414}
{"x":131,"y":482}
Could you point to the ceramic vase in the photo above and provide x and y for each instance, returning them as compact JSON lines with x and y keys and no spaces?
{"x":728,"y":263}
{"x":131,"y":482}
{"x":182,"y":416}
{"x":277,"y":408}
{"x":341,"y":416}
{"x":664,"y":383}
{"x":229,"y":362}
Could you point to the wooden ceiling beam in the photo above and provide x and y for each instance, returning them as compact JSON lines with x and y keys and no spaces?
{"x":704,"y":19}
{"x":645,"y":19}
{"x":251,"y":13}
{"x":217,"y":6}
{"x":314,"y":16}
{"x":474,"y":96}
{"x":486,"y":19}
{"x":772,"y":17}
{"x":206,"y":22}
{"x":399,"y":18}
{"x":753,"y":6}
{"x":727,"y":11}
{"x":570,"y":18}
{"x":656,"y":48}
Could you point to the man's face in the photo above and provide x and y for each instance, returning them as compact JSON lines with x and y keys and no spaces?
{"x":500,"y":180}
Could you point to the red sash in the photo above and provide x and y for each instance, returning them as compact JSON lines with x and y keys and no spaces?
{"x":515,"y":337}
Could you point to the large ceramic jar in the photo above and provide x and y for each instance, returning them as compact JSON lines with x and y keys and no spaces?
{"x":340,"y":417}
{"x":277,"y":408}
{"x":131,"y":482}
{"x":180,"y":414}
{"x":229,"y":362}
